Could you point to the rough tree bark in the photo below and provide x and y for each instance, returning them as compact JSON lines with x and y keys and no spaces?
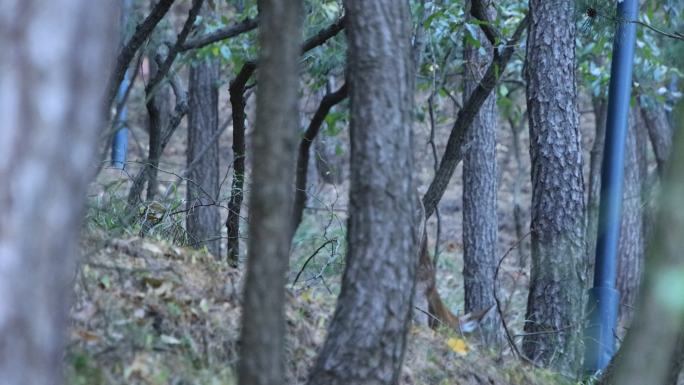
{"x":270,"y":204}
{"x":52,"y":79}
{"x":555,"y":300}
{"x":480,"y":224}
{"x":203,"y":221}
{"x":632,"y":238}
{"x":367,"y":334}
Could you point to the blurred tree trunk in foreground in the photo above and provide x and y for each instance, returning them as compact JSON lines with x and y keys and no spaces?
{"x":52,"y":78}
{"x":652,"y":350}
{"x":270,"y":204}
{"x":367,"y":334}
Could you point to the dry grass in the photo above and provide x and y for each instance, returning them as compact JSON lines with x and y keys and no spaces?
{"x":147,"y":312}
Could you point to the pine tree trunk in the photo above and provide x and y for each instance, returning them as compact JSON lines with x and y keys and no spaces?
{"x":52,"y":80}
{"x":600,"y":105}
{"x":203,"y":222}
{"x":480,"y":224}
{"x":555,"y":300}
{"x":632,"y":239}
{"x":273,"y":146}
{"x":367,"y":335}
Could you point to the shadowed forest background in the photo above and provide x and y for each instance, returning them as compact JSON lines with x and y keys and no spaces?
{"x":333,"y":192}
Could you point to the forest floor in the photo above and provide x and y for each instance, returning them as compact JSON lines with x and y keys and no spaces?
{"x":148,"y":312}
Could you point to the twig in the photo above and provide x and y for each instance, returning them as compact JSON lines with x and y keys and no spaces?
{"x":673,"y":35}
{"x":329,"y":241}
{"x":427,"y":313}
{"x":509,"y":338}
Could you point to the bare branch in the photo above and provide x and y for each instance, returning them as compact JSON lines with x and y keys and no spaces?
{"x":454,"y":149}
{"x":221,"y":34}
{"x":123,"y":60}
{"x":328,"y":101}
{"x":173,"y":51}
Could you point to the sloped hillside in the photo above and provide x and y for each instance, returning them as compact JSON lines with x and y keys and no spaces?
{"x":150,"y":313}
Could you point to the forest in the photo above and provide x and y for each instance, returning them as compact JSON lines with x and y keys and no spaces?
{"x":379,"y":192}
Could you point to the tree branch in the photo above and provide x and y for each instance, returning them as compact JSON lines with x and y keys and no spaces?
{"x":221,"y":34}
{"x":328,"y":101}
{"x":478,"y":9}
{"x":323,"y":35}
{"x":455,"y":145}
{"x":127,"y":52}
{"x":173,"y":51}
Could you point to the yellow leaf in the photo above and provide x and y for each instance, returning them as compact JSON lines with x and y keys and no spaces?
{"x":306,"y":296}
{"x":458,"y":345}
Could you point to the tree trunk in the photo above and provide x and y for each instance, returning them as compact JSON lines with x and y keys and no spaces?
{"x":659,"y":131}
{"x":237,"y":103}
{"x":367,"y":334}
{"x":632,"y":240}
{"x":600,"y":106}
{"x":555,"y":300}
{"x":652,"y":342}
{"x":203,"y":221}
{"x":52,"y":78}
{"x":480,"y":224}
{"x":158,"y":112}
{"x":270,"y":204}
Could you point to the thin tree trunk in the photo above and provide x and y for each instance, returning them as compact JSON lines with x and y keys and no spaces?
{"x":518,"y":217}
{"x":367,"y":334}
{"x":328,"y":101}
{"x":203,"y":221}
{"x":158,"y":114}
{"x":632,"y":239}
{"x":237,"y":103}
{"x":270,"y":203}
{"x":555,"y":300}
{"x":52,"y":77}
{"x":480,"y":224}
{"x":600,"y":105}
{"x":659,"y":131}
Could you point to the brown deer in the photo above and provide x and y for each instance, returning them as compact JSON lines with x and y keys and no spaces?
{"x":438,"y":313}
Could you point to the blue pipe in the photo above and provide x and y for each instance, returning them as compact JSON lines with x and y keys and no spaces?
{"x":120,"y":142}
{"x":603,"y":297}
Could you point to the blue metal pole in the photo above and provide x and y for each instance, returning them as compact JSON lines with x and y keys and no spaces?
{"x":603,"y":297}
{"x":120,"y":142}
